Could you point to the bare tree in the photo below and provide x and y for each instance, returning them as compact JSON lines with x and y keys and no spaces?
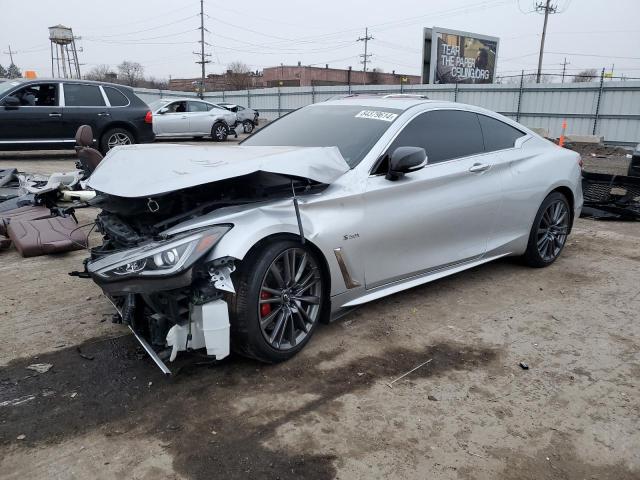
{"x":131,"y":73}
{"x":528,"y":78}
{"x":238,"y":74}
{"x":374,"y":75}
{"x":586,"y":75}
{"x":3,"y":72}
{"x":101,"y":73}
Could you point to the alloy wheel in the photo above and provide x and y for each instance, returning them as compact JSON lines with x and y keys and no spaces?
{"x":290,"y":299}
{"x":221,"y":132}
{"x":118,"y":139}
{"x":552,"y":230}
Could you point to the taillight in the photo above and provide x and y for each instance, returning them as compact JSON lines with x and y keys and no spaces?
{"x":581,"y":163}
{"x":148,"y":118}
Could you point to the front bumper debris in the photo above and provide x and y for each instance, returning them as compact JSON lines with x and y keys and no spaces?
{"x":610,"y":197}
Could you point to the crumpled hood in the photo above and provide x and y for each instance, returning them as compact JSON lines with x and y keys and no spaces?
{"x":147,"y":170}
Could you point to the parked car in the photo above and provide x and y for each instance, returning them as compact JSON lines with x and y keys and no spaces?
{"x":190,"y":117}
{"x":45,"y":114}
{"x":247,"y":117}
{"x":331,"y":206}
{"x":634,"y":165}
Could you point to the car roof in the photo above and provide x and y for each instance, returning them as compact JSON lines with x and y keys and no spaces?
{"x":183,"y":99}
{"x":68,"y":80}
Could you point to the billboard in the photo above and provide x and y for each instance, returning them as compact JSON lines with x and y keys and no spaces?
{"x":452,"y":56}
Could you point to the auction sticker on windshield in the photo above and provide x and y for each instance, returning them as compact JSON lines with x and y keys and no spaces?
{"x":377,"y":115}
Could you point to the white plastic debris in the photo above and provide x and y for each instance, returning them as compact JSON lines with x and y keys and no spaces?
{"x":40,"y":367}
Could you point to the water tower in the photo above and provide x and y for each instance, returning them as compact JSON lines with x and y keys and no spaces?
{"x":64,"y":55}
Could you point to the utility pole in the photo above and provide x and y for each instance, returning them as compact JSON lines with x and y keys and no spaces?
{"x":564,"y":68}
{"x":10,"y":53}
{"x":365,"y":56}
{"x":548,"y":8}
{"x":203,"y":56}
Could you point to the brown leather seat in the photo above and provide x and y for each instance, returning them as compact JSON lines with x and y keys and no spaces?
{"x":88,"y":157}
{"x":22,"y":214}
{"x":45,"y":236}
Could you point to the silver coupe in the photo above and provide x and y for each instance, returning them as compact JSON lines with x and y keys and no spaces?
{"x":248,"y":248}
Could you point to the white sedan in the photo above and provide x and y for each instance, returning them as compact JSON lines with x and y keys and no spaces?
{"x":189,"y":117}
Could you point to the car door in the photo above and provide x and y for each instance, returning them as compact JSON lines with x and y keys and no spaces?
{"x":174,"y":120}
{"x":200,"y":117}
{"x":38,"y":118}
{"x":440,"y":215}
{"x":522,"y":179}
{"x":84,"y":104}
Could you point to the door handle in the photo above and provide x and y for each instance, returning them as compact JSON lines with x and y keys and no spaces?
{"x":479,"y":167}
{"x":184,"y":117}
{"x":55,"y":114}
{"x":104,"y":114}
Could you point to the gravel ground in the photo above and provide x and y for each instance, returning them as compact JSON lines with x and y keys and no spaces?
{"x":104,"y":411}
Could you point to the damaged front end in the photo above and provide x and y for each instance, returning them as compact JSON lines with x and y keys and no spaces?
{"x":169,"y":288}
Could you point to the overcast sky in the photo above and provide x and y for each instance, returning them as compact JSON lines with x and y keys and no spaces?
{"x":161,"y":34}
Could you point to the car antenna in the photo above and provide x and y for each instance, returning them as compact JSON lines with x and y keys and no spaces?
{"x":297,"y":209}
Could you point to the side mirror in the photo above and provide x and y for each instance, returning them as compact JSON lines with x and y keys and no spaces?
{"x":11,"y":102}
{"x":163,"y":110}
{"x":404,"y":160}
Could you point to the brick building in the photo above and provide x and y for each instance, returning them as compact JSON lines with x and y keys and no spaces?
{"x":302,"y":76}
{"x":291,"y":76}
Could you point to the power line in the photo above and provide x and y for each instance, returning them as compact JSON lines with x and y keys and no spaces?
{"x":365,"y":56}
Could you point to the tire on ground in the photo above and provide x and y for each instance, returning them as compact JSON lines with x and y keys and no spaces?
{"x":104,"y":140}
{"x":214,"y":132}
{"x":246,"y":335}
{"x":532,"y":256}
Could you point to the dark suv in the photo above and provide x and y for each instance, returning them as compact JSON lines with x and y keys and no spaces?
{"x":45,"y":114}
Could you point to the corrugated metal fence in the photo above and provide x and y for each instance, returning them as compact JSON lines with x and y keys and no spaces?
{"x":610,"y":109}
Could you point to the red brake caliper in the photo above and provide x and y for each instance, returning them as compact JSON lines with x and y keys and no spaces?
{"x":265,"y":308}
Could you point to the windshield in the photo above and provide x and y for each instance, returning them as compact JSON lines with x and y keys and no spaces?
{"x":4,"y":86}
{"x":354,"y":129}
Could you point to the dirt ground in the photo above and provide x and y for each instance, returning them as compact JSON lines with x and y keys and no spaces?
{"x":105,"y":411}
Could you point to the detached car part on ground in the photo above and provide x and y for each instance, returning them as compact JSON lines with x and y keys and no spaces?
{"x":611,"y":197}
{"x":29,"y":216}
{"x":332,"y":206}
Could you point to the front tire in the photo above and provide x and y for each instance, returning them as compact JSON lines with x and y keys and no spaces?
{"x":219,"y":132}
{"x":280,"y":294}
{"x":115,"y":137}
{"x":549,"y":231}
{"x":247,"y":126}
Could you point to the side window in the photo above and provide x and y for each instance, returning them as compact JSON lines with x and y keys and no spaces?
{"x":197,"y":107}
{"x":444,"y":134}
{"x":498,"y":135}
{"x":78,"y":95}
{"x":177,"y":107}
{"x":240,"y":108}
{"x":39,"y":95}
{"x":116,"y":97}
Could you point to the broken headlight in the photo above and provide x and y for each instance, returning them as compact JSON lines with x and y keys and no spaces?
{"x":159,"y":258}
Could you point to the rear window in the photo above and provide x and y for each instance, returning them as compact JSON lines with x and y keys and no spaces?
{"x":498,"y":135}
{"x":77,"y":95}
{"x":116,"y":97}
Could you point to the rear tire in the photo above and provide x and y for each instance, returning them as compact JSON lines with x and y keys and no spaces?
{"x":273,"y":315}
{"x":219,"y":132}
{"x":549,"y":231}
{"x":115,"y":137}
